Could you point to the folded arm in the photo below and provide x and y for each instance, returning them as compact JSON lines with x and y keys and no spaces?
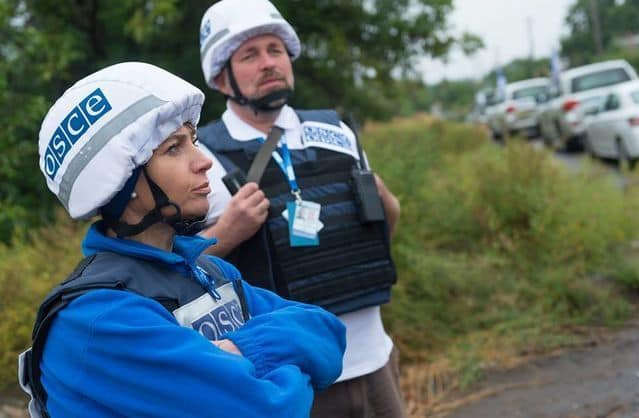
{"x":133,"y":359}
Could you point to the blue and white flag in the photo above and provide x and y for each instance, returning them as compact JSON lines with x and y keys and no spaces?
{"x":501,"y":83}
{"x":555,"y":69}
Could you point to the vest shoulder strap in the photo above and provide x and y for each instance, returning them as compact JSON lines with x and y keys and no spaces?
{"x":217,"y":138}
{"x":327,"y":116}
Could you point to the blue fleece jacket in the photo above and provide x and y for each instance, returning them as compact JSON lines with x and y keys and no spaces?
{"x":113,"y":353}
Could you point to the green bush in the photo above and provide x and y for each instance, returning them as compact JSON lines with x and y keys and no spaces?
{"x":498,"y":240}
{"x":28,"y":271}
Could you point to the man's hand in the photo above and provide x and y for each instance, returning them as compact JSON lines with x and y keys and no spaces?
{"x":390,"y":203}
{"x":228,"y":346}
{"x":244,"y":215}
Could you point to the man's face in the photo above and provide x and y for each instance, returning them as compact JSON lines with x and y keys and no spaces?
{"x":179,"y":168}
{"x":260,"y":66}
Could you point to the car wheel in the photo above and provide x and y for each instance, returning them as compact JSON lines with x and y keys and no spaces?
{"x":547,"y":140}
{"x":534,"y":132}
{"x":558,"y":140}
{"x":624,"y":160}
{"x":588,"y":147}
{"x":575,"y":143}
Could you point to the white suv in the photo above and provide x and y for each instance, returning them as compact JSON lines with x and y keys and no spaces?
{"x":518,"y":113}
{"x":562,"y":119}
{"x":613,"y":127}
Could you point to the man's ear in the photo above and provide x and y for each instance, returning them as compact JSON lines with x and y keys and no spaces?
{"x":222,"y":82}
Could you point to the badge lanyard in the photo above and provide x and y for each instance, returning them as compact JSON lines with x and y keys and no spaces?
{"x":302,"y":216}
{"x":286,"y":165}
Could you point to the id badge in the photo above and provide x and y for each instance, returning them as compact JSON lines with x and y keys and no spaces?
{"x":303,"y":223}
{"x":306,"y":218}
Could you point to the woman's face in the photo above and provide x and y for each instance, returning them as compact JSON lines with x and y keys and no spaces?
{"x":179,"y":168}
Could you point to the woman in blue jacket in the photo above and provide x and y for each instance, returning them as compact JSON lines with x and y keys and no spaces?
{"x":146,"y":325}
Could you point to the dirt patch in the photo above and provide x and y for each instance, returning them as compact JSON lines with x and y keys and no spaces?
{"x":598,"y":380}
{"x":13,"y":404}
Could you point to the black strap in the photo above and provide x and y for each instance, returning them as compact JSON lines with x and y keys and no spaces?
{"x":264,"y":155}
{"x":272,"y":101}
{"x":182,"y":226}
{"x":352,"y":123}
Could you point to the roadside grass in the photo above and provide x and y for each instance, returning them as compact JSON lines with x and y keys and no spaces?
{"x":502,"y":254}
{"x":29,"y":269}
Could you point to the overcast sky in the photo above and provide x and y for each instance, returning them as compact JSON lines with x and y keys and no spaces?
{"x":502,"y":24}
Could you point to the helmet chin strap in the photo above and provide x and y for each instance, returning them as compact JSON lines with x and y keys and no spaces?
{"x":272,"y":101}
{"x":181,"y":225}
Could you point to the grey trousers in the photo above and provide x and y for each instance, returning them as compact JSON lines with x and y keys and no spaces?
{"x":375,"y":395}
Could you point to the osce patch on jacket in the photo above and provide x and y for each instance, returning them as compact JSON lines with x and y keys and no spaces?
{"x":212,"y":318}
{"x":73,"y":126}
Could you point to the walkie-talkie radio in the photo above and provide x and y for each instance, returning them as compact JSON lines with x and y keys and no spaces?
{"x":367,"y":196}
{"x":363,"y":180}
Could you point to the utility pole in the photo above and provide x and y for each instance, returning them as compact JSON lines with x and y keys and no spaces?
{"x":531,"y":43}
{"x":531,"y":38}
{"x":596,"y":26}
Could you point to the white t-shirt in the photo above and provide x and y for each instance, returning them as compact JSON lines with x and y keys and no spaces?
{"x":368,"y":347}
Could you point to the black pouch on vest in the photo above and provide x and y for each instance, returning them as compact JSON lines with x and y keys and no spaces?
{"x":370,"y":204}
{"x":234,"y":181}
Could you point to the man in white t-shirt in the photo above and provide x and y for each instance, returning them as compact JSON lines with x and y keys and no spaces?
{"x":306,"y":231}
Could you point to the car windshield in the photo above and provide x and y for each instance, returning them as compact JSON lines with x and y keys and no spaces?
{"x":599,"y":79}
{"x":491,"y":99}
{"x":529,"y":92}
{"x":635,"y":96}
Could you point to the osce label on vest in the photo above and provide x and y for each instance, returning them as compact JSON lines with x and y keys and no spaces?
{"x":212,"y":318}
{"x":73,"y":126}
{"x":331,"y":137}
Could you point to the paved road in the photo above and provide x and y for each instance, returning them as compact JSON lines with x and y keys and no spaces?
{"x":576,"y":160}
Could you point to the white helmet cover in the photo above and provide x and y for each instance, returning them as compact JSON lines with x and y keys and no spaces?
{"x":229,"y":23}
{"x":105,"y":126}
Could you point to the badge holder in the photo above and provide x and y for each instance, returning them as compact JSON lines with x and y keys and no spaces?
{"x":303,"y":221}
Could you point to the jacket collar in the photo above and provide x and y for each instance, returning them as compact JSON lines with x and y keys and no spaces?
{"x":186,"y":249}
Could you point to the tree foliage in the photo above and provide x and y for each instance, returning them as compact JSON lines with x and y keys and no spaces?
{"x":352,"y":50}
{"x":616,"y":19}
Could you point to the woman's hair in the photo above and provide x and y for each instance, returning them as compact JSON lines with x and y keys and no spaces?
{"x":191,"y":128}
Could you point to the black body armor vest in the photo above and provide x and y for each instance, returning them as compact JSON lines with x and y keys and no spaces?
{"x":352,"y":267}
